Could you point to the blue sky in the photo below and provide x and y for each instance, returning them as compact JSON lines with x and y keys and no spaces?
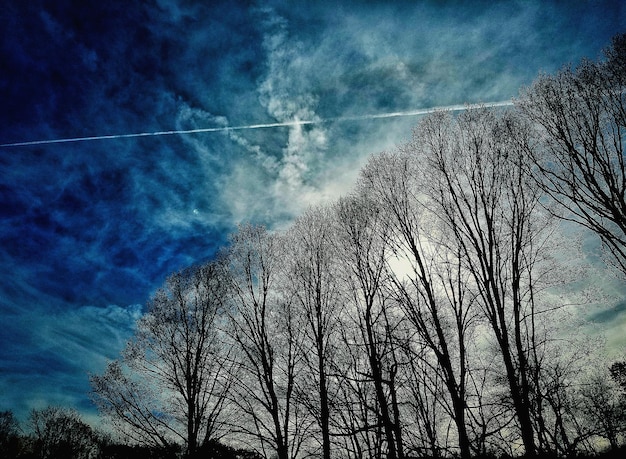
{"x":89,"y":229}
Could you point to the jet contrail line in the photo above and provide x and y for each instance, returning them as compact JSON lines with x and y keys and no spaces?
{"x":420,"y":111}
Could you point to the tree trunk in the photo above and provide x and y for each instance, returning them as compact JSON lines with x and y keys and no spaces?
{"x":324,"y":409}
{"x":520,"y":403}
{"x":192,"y":438}
{"x":377,"y":377}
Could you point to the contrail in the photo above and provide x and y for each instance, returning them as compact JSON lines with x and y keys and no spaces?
{"x":420,"y":111}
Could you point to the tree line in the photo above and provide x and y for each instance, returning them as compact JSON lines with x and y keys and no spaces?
{"x":419,"y":316}
{"x":56,"y":432}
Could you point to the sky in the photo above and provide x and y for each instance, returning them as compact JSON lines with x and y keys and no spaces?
{"x":89,"y":229}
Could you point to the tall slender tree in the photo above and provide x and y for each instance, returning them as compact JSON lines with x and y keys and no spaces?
{"x":268,"y":335}
{"x":363,"y":256}
{"x":478,"y":181}
{"x":172,"y":381}
{"x":429,"y":285}
{"x":311,"y":273}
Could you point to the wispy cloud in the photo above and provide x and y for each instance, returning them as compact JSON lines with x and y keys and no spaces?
{"x":50,"y":355}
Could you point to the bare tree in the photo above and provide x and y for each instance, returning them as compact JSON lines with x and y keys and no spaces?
{"x":604,"y":408}
{"x":265,"y":328}
{"x":581,"y":165}
{"x":363,"y":254}
{"x":60,"y":433}
{"x":477,"y":176}
{"x":172,"y":381}
{"x":429,"y":283}
{"x":10,"y":441}
{"x":311,"y":273}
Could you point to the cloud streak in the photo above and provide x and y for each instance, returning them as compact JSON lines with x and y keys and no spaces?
{"x":340,"y":119}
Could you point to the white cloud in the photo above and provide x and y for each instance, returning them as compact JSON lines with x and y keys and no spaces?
{"x":89,"y":335}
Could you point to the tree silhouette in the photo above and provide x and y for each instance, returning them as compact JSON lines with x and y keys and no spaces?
{"x":268,"y":336}
{"x":10,"y":441}
{"x":172,"y":381}
{"x":581,"y":113}
{"x":59,"y":433}
{"x":312,"y":279}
